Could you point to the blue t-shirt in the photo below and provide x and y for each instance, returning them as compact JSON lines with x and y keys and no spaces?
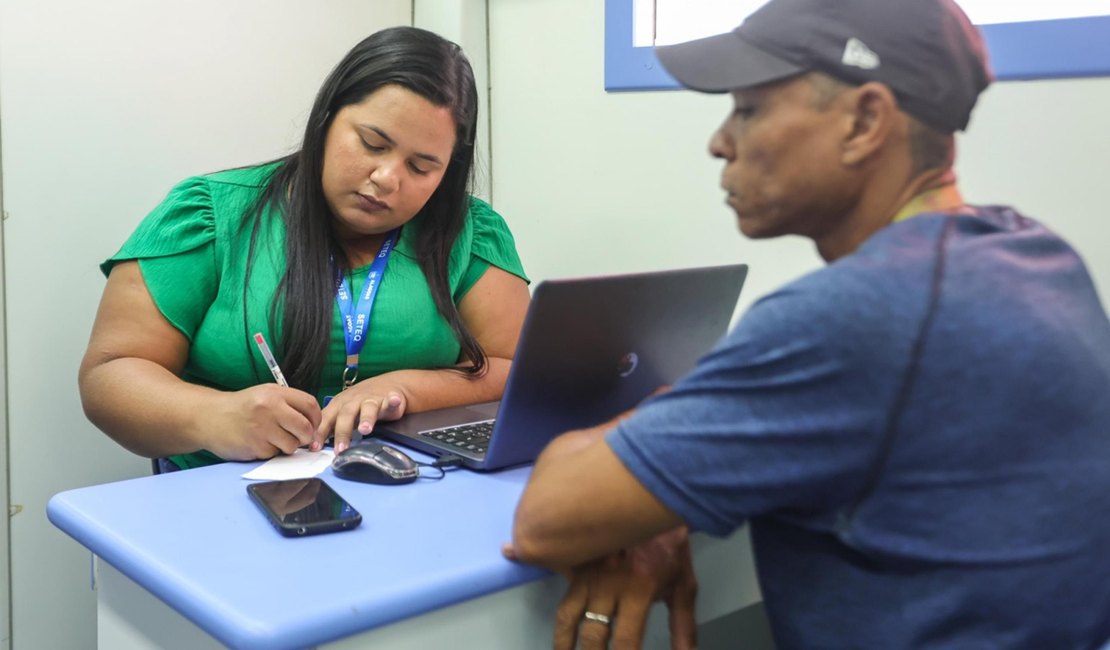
{"x":919,"y":435}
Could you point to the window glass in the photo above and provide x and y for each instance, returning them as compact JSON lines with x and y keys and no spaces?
{"x":662,"y":22}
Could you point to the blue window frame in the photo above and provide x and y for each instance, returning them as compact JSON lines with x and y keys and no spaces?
{"x":1070,"y":47}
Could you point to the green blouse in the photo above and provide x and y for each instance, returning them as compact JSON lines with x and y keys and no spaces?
{"x":192,"y":253}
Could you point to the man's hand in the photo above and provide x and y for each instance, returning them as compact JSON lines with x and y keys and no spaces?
{"x":623,"y":588}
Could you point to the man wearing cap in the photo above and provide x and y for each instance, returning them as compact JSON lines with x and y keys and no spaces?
{"x":918,"y":433}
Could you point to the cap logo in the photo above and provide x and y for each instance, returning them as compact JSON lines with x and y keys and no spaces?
{"x":857,"y":54}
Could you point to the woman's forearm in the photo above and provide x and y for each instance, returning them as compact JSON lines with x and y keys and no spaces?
{"x":425,"y":390}
{"x":144,"y":407}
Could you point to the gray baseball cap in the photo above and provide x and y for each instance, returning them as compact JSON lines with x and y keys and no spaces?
{"x":926,"y":51}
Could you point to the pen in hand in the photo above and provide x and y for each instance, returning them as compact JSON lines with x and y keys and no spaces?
{"x":270,"y":360}
{"x":272,"y":363}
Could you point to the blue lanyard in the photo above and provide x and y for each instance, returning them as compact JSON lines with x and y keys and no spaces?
{"x":356,"y":318}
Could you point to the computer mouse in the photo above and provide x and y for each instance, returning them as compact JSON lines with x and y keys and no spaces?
{"x":373,"y":462}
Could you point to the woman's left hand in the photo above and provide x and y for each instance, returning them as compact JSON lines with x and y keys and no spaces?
{"x":353,"y":412}
{"x":493,"y":311}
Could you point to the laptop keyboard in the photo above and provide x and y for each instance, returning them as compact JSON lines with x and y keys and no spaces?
{"x":472,"y":437}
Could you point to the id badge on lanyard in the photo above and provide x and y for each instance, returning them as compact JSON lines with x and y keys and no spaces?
{"x":356,"y":316}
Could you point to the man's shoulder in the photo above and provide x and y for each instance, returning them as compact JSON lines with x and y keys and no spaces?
{"x":874,"y":275}
{"x":865,"y":300}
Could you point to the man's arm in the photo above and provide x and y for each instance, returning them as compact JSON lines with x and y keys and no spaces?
{"x":582,"y":503}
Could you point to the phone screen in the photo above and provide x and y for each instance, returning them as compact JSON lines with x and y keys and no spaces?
{"x":308,"y":506}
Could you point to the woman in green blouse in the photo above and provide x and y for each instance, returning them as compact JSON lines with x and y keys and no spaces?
{"x":378,"y":281}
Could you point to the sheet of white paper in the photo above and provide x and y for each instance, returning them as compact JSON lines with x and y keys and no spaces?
{"x":302,"y":464}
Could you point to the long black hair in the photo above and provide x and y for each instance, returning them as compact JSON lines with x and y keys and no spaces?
{"x":437,"y":70}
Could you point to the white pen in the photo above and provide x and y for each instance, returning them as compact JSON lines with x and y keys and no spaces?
{"x":275,"y":369}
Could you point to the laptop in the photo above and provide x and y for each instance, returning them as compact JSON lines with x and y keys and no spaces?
{"x":590,"y":348}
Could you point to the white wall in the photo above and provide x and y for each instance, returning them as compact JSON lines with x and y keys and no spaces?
{"x":5,"y":564}
{"x":1044,"y":148}
{"x":104,"y":106}
{"x":464,"y":22}
{"x":594,"y":182}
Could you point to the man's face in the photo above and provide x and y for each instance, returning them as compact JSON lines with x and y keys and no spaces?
{"x":783,"y":171}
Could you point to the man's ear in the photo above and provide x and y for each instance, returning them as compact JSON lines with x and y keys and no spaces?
{"x":874,"y":118}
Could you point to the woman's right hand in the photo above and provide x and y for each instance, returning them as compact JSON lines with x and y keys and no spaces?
{"x":259,"y":422}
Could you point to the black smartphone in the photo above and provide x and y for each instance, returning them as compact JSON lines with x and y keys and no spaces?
{"x":306,"y":506}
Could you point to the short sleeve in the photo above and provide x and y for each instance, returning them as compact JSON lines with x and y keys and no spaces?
{"x":784,"y":415}
{"x":176,"y":251}
{"x":493,"y":245}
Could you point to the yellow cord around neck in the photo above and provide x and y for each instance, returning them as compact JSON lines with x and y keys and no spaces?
{"x":940,"y":199}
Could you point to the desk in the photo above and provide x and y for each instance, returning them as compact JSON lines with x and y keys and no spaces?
{"x":186,"y":560}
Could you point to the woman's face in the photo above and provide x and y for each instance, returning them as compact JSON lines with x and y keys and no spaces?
{"x":383,"y":159}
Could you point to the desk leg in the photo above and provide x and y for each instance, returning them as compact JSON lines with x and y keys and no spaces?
{"x":129,"y":617}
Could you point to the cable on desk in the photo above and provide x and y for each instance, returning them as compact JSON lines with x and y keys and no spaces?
{"x":443,"y":463}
